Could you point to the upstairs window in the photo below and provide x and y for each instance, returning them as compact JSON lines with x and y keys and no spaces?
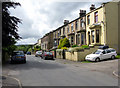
{"x":55,"y":34}
{"x":88,"y":19}
{"x":72,"y":27}
{"x":81,"y":23}
{"x":60,"y":31}
{"x":58,"y":34}
{"x":63,"y":30}
{"x":76,"y":25}
{"x":96,"y":17}
{"x":68,"y":29}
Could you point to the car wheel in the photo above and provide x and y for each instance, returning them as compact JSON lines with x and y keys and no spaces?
{"x":97,"y":59}
{"x":112,"y":57}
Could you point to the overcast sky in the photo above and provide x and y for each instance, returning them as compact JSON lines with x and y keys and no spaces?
{"x":42,"y":16}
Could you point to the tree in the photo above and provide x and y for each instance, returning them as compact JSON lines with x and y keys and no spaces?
{"x":37,"y":48}
{"x":64,"y":43}
{"x":60,"y":45}
{"x":9,"y":28}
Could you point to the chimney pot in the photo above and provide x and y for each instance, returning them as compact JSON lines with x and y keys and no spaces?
{"x":82,"y":12}
{"x":66,"y":21}
{"x":92,"y":7}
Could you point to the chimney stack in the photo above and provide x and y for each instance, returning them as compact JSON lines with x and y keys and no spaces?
{"x":82,"y":13}
{"x":92,"y":7}
{"x":66,"y":21}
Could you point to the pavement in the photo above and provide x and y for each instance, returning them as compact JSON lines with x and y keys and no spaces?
{"x":109,"y":67}
{"x":9,"y":81}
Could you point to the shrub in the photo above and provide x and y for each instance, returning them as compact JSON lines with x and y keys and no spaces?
{"x":60,"y":45}
{"x":85,"y":46}
{"x":30,"y":50}
{"x":65,"y":43}
{"x":75,"y":46}
{"x":65,"y":48}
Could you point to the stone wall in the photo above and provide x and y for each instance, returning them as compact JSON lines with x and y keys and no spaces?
{"x":80,"y":56}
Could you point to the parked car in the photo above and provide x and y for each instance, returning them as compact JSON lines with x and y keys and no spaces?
{"x":28,"y":53}
{"x":47,"y":55}
{"x":101,"y":54}
{"x":18,"y":56}
{"x":38,"y":53}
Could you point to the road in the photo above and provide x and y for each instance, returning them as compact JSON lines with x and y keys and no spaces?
{"x":39,"y":72}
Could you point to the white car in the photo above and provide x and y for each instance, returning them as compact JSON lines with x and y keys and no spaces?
{"x":101,"y":54}
{"x":38,"y":53}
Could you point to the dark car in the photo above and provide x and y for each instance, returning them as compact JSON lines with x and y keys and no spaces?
{"x":38,"y":53}
{"x":18,"y":56}
{"x":28,"y":53}
{"x":47,"y":55}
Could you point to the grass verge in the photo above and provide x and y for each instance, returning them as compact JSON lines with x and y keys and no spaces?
{"x":118,"y":56}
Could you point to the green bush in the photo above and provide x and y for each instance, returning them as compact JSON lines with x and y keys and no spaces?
{"x":75,"y":46}
{"x":60,"y":45}
{"x":30,"y":50}
{"x":64,"y":43}
{"x":85,"y":46}
{"x":118,"y":56}
{"x":65,"y":48}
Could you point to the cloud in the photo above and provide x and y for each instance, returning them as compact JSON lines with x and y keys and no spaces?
{"x":40,"y":17}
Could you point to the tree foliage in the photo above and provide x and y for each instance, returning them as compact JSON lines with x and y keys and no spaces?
{"x":60,"y":45}
{"x":37,"y":48}
{"x":9,"y":28}
{"x":9,"y":24}
{"x":64,"y":43}
{"x":24,"y":48}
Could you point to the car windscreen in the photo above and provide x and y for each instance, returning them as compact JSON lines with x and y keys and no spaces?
{"x":51,"y":54}
{"x":97,"y":52}
{"x":47,"y":52}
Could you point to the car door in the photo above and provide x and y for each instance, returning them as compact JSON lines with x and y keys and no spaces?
{"x":109,"y":54}
{"x":103,"y":55}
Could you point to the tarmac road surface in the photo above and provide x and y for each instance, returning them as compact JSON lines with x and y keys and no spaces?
{"x":39,"y":72}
